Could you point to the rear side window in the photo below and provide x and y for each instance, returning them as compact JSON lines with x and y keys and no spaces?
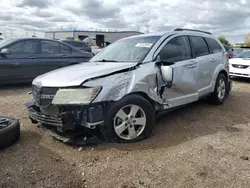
{"x":50,"y":47}
{"x":199,"y":46}
{"x":177,"y":49}
{"x":65,"y":49}
{"x":213,"y":45}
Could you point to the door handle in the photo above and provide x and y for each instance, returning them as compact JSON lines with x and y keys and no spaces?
{"x":32,"y":57}
{"x":213,"y":60}
{"x":191,"y":66}
{"x":64,"y":56}
{"x":16,"y":64}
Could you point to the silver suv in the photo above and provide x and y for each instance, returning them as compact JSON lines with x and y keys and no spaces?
{"x":121,"y":90}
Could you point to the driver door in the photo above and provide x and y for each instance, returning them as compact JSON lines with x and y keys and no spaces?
{"x":20,"y":64}
{"x":183,"y":88}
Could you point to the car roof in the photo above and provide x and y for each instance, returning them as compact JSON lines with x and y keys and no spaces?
{"x":31,"y":38}
{"x":184,"y":32}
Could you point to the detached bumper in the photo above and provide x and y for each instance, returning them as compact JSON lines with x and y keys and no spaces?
{"x":72,"y":122}
{"x":43,"y":119}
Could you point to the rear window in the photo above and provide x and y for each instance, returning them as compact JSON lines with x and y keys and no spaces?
{"x":199,"y":46}
{"x":76,"y":44}
{"x":213,"y":45}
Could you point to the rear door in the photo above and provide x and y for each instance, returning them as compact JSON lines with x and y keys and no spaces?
{"x":216,"y":56}
{"x":204,"y":61}
{"x":50,"y":56}
{"x":184,"y":86}
{"x":20,"y":64}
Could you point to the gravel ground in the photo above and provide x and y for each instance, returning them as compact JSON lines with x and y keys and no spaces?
{"x":200,"y":145}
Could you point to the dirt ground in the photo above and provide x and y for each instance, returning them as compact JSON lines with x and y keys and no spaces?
{"x":200,"y":145}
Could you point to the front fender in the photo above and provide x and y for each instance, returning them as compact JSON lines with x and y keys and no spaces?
{"x":115,"y":87}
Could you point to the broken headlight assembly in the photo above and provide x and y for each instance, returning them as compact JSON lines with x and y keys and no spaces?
{"x":77,"y":96}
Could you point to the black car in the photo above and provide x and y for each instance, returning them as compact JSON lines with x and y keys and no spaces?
{"x":79,"y":45}
{"x":21,"y":60}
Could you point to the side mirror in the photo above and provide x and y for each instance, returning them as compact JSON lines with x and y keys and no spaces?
{"x":5,"y":51}
{"x":167,"y":73}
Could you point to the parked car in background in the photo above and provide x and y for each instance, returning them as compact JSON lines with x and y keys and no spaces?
{"x":240,"y":65}
{"x":21,"y":60}
{"x":229,"y":51}
{"x":79,"y":45}
{"x":126,"y":85}
{"x":95,"y":49}
{"x":236,"y":51}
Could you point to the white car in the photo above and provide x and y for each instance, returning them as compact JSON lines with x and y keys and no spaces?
{"x":95,"y":49}
{"x":240,"y":65}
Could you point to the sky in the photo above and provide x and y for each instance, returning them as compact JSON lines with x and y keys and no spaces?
{"x":231,"y":18}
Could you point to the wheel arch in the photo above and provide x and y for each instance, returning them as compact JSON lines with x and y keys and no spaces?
{"x":145,"y":96}
{"x":219,"y":70}
{"x":224,"y":73}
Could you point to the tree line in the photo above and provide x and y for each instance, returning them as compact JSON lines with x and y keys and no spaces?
{"x":226,"y":42}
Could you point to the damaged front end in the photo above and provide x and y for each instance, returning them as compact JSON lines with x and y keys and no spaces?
{"x":60,"y":113}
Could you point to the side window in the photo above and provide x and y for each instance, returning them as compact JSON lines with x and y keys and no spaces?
{"x":199,"y":46}
{"x":213,"y":45}
{"x":50,"y":47}
{"x":65,"y":49}
{"x":24,"y":47}
{"x":177,"y":49}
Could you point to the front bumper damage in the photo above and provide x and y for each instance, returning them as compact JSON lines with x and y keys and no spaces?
{"x":70,"y":124}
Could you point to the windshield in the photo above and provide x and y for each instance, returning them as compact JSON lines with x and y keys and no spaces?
{"x":5,"y":42}
{"x":238,"y":50}
{"x":127,"y":50}
{"x":244,"y":54}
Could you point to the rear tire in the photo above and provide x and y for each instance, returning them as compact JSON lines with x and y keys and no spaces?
{"x":129,"y":120}
{"x":220,"y":92}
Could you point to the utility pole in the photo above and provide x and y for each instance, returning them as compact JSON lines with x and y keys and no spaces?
{"x":147,"y":28}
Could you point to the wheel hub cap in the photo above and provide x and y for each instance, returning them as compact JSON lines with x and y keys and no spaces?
{"x":129,"y":122}
{"x":221,"y":90}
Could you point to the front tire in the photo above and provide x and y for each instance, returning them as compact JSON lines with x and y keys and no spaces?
{"x":129,"y":120}
{"x":220,"y":92}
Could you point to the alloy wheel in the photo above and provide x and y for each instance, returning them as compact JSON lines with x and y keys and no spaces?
{"x":129,"y":122}
{"x":4,"y":122}
{"x":221,"y":89}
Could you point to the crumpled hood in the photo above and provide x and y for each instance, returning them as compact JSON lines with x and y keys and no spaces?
{"x":76,"y":74}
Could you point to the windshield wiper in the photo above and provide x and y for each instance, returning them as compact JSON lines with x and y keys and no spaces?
{"x":105,"y":60}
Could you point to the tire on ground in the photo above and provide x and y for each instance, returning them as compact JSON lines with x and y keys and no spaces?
{"x":214,"y":98}
{"x":107,"y":129}
{"x":10,"y":134}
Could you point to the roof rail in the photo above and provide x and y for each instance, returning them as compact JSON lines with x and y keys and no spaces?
{"x":180,"y":29}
